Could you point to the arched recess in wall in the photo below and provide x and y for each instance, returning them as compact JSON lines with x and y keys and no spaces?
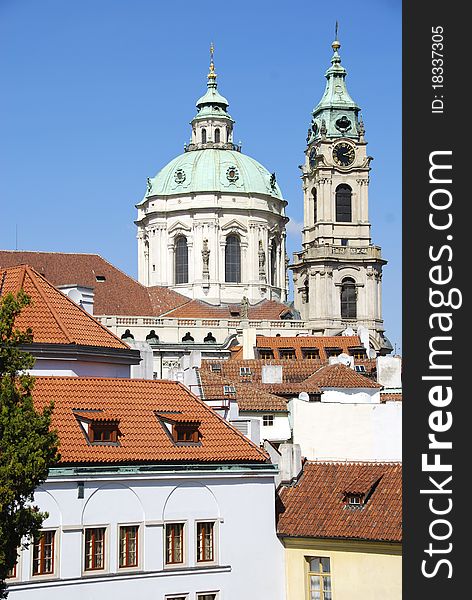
{"x":198,"y":496}
{"x":47,"y":502}
{"x":112,"y":503}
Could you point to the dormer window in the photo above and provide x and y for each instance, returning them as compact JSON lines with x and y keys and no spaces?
{"x":310,"y":353}
{"x":229,"y":389}
{"x":215,"y":368}
{"x":354,"y":500}
{"x":245,"y":371}
{"x":186,"y":433}
{"x":99,"y":427}
{"x":288,"y":353}
{"x":266,"y":353}
{"x":334,"y":351}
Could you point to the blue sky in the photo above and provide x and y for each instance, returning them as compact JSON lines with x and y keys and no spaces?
{"x":97,"y":96}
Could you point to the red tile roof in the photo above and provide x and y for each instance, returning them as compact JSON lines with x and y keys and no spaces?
{"x":340,"y":376}
{"x":309,"y":341}
{"x":391,"y":396}
{"x":250,"y":398}
{"x":314,"y":506}
{"x":144,"y":438}
{"x":52,"y":316}
{"x":197,"y":309}
{"x":118,"y":294}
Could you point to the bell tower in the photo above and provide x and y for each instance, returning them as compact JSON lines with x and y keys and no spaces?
{"x":338,"y":273}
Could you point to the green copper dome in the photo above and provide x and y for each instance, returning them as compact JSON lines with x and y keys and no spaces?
{"x":213,"y":170}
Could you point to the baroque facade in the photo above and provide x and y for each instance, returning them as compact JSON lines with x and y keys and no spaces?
{"x":338,"y":273}
{"x":212,"y":222}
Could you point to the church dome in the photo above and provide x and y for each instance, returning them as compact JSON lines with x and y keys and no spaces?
{"x":214,"y":170}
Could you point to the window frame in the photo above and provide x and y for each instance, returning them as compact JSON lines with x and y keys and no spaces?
{"x":322,"y":574}
{"x":183,"y":562}
{"x":128,"y":567}
{"x":52,"y":572}
{"x":230,"y":261}
{"x":94,"y":569}
{"x":181,"y":272}
{"x":348,"y":304}
{"x":343,"y":203}
{"x":213,"y":559}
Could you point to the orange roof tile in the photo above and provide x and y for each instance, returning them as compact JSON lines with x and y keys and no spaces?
{"x":198,"y":309}
{"x":314,"y":506}
{"x":340,"y":376}
{"x":309,"y":341}
{"x":52,"y":316}
{"x":144,"y":438}
{"x":117,"y":294}
{"x":250,"y":398}
{"x":391,"y":396}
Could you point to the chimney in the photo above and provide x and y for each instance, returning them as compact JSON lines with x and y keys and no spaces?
{"x":271,"y":373}
{"x":249,"y":343}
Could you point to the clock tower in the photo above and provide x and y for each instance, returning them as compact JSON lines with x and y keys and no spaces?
{"x":338,"y":273}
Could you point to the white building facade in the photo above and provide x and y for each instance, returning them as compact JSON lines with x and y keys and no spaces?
{"x":234,"y":502}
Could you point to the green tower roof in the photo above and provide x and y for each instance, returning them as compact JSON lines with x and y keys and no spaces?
{"x":336,"y":114}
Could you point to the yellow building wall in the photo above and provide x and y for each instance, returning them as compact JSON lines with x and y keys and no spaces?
{"x":359,"y":570}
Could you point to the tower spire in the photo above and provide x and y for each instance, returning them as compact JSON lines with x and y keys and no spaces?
{"x":211,"y":73}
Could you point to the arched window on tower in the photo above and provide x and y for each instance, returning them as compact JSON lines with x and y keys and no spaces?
{"x":343,"y":203}
{"x":233,"y":259}
{"x":315,"y":205}
{"x":204,"y":136}
{"x":181,"y":260}
{"x":227,"y":134}
{"x":273,"y":263}
{"x":217,"y":135}
{"x":348,"y":299}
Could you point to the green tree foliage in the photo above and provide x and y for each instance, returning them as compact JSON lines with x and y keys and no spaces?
{"x":27,"y":447}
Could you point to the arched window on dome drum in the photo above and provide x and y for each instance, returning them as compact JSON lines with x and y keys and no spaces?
{"x":315,"y":205}
{"x":217,"y":135}
{"x":227,"y":134}
{"x":233,"y":259}
{"x":181,"y":260}
{"x":343,"y":203}
{"x":348,"y":299}
{"x":204,"y":136}
{"x":273,"y":263}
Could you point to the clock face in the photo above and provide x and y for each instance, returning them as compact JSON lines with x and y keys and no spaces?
{"x":344,"y":154}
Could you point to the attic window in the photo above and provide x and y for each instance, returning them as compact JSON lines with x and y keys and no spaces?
{"x":245,"y":371}
{"x":103,"y":433}
{"x":215,"y":368}
{"x":310,"y":352}
{"x":266,"y":353}
{"x":186,"y":433}
{"x":358,"y":352}
{"x":353,"y":500}
{"x":100,"y":278}
{"x":359,"y":368}
{"x":333,"y":351}
{"x":287,"y":353}
{"x":229,"y":389}
{"x":235,"y":313}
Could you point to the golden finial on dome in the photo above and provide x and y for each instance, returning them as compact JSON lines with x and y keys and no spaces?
{"x":211,"y":73}
{"x":336,"y":45}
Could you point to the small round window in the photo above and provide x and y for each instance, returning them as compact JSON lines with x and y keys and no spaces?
{"x":179,"y":176}
{"x":232,"y":174}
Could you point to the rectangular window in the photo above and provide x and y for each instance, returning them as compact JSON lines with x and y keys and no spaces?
{"x":268,"y":420}
{"x":287,"y":353}
{"x":244,"y":371}
{"x":174,"y":543}
{"x":333,"y":351}
{"x":205,"y":542}
{"x":129,"y":546}
{"x":94,"y":549}
{"x":310,"y":353}
{"x":102,"y":434}
{"x":43,"y":554}
{"x":266,"y":353}
{"x":319,"y":578}
{"x":212,"y":596}
{"x":229,"y":389}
